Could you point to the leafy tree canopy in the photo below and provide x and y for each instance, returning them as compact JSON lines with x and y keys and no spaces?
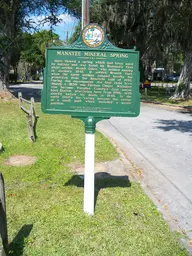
{"x":156,"y":28}
{"x":34,"y":45}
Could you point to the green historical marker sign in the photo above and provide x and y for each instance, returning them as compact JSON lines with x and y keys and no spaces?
{"x":91,"y":78}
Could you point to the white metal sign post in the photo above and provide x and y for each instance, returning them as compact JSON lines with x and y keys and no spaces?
{"x":89,"y":175}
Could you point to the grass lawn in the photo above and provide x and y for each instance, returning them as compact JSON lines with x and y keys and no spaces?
{"x":44,"y":200}
{"x":158,"y":95}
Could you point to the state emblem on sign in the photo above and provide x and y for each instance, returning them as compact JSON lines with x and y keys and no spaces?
{"x":93,"y":35}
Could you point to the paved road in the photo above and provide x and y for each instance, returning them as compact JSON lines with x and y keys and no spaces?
{"x":159,"y":142}
{"x":32,"y":89}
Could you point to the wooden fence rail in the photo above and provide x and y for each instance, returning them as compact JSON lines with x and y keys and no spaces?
{"x":30,"y":116}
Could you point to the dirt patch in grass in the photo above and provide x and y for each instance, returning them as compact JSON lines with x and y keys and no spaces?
{"x":114,"y":168}
{"x":20,"y":160}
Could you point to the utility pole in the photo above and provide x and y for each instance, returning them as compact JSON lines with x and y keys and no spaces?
{"x":67,"y":36}
{"x":85,"y":13}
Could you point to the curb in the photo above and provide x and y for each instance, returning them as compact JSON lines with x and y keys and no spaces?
{"x":187,"y":109}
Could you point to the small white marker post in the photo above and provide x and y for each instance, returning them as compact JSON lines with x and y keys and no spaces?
{"x":145,"y":91}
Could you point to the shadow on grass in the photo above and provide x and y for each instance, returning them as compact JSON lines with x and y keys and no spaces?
{"x":16,"y":247}
{"x":102,"y":180}
{"x":181,"y":126}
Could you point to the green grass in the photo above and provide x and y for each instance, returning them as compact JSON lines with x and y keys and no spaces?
{"x":158,"y":95}
{"x":44,"y":201}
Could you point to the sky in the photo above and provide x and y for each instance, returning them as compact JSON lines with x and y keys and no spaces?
{"x":67,"y":23}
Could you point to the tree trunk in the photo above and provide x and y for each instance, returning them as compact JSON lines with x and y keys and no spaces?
{"x":4,"y":74}
{"x":9,"y":11}
{"x":4,"y":92}
{"x":183,"y":85}
{"x":2,"y":84}
{"x":4,"y":77}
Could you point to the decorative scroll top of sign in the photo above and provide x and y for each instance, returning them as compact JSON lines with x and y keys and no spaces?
{"x":93,"y":35}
